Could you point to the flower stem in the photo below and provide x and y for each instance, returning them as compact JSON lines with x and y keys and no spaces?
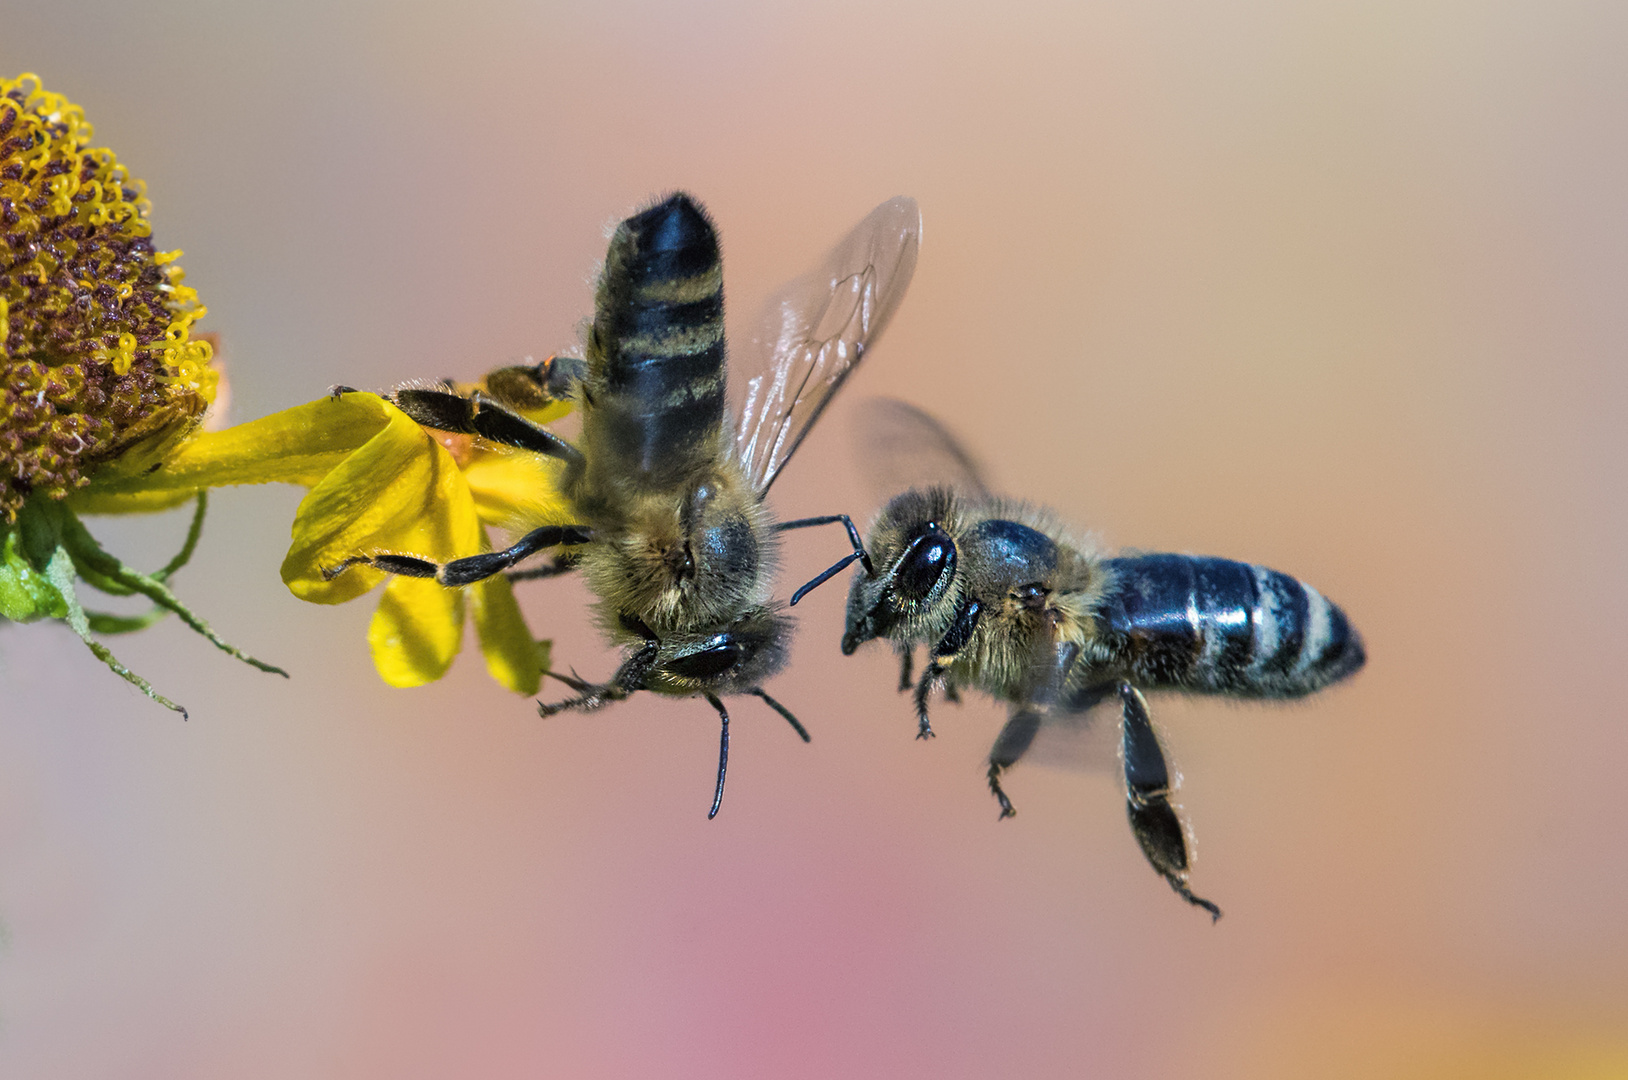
{"x":93,"y":563}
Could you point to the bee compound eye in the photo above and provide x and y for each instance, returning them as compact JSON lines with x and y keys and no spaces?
{"x":717,"y":657}
{"x":926,"y":561}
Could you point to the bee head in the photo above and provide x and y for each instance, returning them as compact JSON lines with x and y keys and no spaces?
{"x":729,"y":660}
{"x":914,"y":554}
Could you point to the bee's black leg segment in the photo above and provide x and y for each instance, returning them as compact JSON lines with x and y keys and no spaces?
{"x":571,"y":680}
{"x":907,"y":661}
{"x":966,"y":621}
{"x":783,"y":711}
{"x":481,"y":415}
{"x":723,"y":755}
{"x":405,"y":565}
{"x":1147,"y":789}
{"x":1010,"y":745}
{"x":924,"y":688}
{"x":339,"y":390}
{"x":952,"y":691}
{"x":475,"y":568}
{"x":628,"y":678}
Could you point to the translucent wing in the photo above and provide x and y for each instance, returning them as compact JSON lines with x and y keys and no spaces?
{"x":1083,"y":739}
{"x":1074,"y":726}
{"x":901,"y":447}
{"x":818,"y":327}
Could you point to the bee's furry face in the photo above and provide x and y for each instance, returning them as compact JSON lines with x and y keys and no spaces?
{"x":915,"y":587}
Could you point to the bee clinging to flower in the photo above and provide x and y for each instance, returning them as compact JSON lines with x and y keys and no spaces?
{"x":669,"y":524}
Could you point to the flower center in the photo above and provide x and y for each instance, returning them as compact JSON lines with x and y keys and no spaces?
{"x":95,"y":348}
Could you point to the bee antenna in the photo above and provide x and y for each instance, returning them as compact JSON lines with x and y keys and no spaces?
{"x":853,"y":537}
{"x":841,"y":565}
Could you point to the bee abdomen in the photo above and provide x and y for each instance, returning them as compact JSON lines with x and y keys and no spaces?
{"x":1193,"y":623}
{"x":659,"y":335}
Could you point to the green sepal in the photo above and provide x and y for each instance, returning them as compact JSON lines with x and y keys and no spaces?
{"x":103,"y":622}
{"x":60,"y":571}
{"x":89,"y":559}
{"x":46,"y":550}
{"x":26,"y":593}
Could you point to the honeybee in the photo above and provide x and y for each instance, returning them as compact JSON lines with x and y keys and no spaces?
{"x":1007,"y":602}
{"x":672,"y":534}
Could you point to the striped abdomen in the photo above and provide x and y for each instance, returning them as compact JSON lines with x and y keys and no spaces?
{"x":657,"y":347}
{"x":1214,"y":625}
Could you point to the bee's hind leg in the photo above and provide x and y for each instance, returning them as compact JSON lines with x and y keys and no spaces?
{"x":1147,"y":788}
{"x":481,"y":415}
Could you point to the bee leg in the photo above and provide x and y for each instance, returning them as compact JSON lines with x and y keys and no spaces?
{"x":473,"y":568}
{"x":1010,"y":745}
{"x":477,"y":567}
{"x":483,"y":416}
{"x":628,"y":678}
{"x":952,"y":691}
{"x":723,"y":755}
{"x":842,"y":563}
{"x":907,"y":660}
{"x":1147,"y":787}
{"x":924,"y":688}
{"x":783,"y":711}
{"x":966,"y":621}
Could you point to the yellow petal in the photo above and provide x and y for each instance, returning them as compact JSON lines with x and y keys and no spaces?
{"x":93,"y":501}
{"x":517,"y":490}
{"x":295,"y":446}
{"x":416,"y":631}
{"x":401,"y":494}
{"x":513,"y":657}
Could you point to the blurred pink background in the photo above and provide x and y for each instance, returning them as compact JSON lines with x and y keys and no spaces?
{"x":1338,"y":288}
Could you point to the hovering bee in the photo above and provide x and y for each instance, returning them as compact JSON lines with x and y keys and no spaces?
{"x":1007,"y":602}
{"x":672,"y":534}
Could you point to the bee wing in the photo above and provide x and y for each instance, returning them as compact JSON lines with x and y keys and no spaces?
{"x":901,"y":447}
{"x":817,"y":329}
{"x":1085,"y":739}
{"x":1079,"y":725}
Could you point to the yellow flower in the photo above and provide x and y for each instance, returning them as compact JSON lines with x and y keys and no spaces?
{"x":102,"y":389}
{"x":98,"y":369}
{"x":94,"y":321}
{"x":380,"y":483}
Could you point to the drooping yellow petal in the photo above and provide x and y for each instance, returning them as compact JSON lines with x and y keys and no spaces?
{"x":401,"y":493}
{"x":93,"y":501}
{"x":416,"y":631}
{"x":513,"y":657}
{"x":301,"y":445}
{"x":516,"y":490}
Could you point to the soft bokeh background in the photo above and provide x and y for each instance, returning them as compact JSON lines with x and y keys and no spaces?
{"x":1336,"y":287}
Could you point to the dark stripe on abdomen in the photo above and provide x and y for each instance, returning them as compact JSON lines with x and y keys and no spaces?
{"x":658,"y":337}
{"x":1214,"y":625}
